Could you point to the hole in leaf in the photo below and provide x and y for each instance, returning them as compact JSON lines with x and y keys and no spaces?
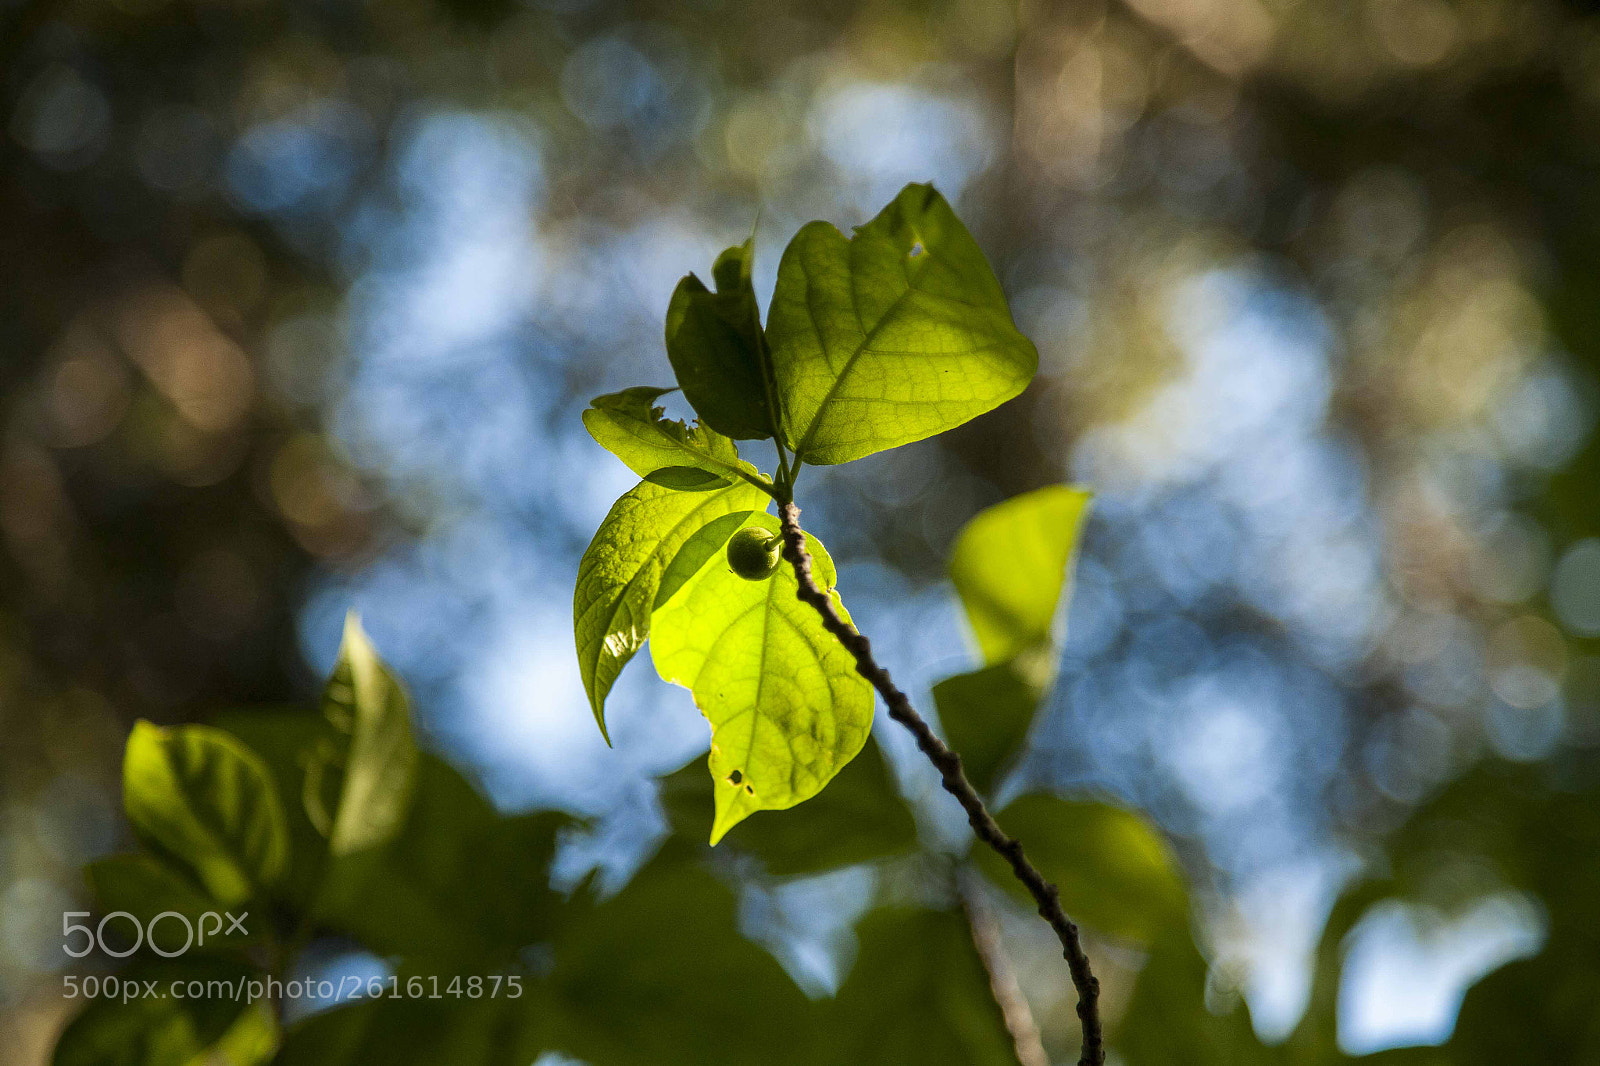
{"x":735,"y":777}
{"x":916,"y":249}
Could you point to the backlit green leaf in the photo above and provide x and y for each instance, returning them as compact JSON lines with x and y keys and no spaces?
{"x":660,"y":449}
{"x":715,"y":344}
{"x":199,"y":795}
{"x":1116,"y":874}
{"x":1009,"y":564}
{"x":897,"y":334}
{"x":786,"y":706}
{"x":986,"y":715}
{"x":622,"y":570}
{"x":366,"y":703}
{"x":859,"y":817}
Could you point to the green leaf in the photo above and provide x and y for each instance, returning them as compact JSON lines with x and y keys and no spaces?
{"x":164,"y":1030}
{"x":460,"y":886}
{"x":859,"y":817}
{"x":145,"y":887}
{"x":251,"y":1039}
{"x":203,"y":797}
{"x":786,"y":706}
{"x":986,"y":715}
{"x":1553,"y":996}
{"x":421,"y":1031}
{"x":918,"y":994}
{"x":897,"y":334}
{"x":1116,"y":874}
{"x":1009,"y":564}
{"x":660,"y":974}
{"x":366,"y":703}
{"x":663,"y":450}
{"x":1170,"y":1023}
{"x":301,"y":749}
{"x":421,"y":895}
{"x":1531,"y":828}
{"x":715,"y":344}
{"x":622,"y":569}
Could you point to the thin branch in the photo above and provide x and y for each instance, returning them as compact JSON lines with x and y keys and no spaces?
{"x":1002,"y":975}
{"x":759,"y":482}
{"x":948,"y":763}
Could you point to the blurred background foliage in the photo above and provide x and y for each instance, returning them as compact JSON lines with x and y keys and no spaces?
{"x":299,"y":303}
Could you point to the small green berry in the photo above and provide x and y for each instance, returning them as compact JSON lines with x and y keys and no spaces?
{"x":755,"y":553}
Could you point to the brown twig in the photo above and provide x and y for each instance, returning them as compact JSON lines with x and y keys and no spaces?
{"x":1002,"y":975}
{"x":948,"y":763}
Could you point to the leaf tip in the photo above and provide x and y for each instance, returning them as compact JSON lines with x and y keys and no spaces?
{"x":735,"y":801}
{"x":354,"y":633}
{"x":144,"y":735}
{"x":724,"y":821}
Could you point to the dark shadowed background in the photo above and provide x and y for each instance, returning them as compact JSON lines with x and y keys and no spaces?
{"x":300,"y":303}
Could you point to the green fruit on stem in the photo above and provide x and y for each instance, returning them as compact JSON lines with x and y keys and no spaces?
{"x":755,"y":553}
